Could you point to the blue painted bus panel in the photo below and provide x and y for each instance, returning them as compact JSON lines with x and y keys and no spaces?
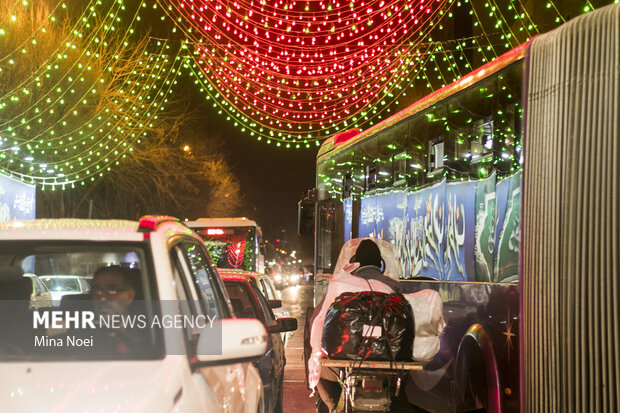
{"x":457,"y":231}
{"x":17,"y":199}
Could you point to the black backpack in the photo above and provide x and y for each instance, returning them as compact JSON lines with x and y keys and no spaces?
{"x":369,"y":326}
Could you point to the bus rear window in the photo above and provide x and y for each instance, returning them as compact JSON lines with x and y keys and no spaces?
{"x":231,"y":247}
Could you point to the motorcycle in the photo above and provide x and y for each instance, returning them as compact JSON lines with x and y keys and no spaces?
{"x":369,"y":386}
{"x":372,"y":386}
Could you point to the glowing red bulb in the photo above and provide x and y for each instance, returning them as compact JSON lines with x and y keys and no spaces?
{"x":318,"y":56}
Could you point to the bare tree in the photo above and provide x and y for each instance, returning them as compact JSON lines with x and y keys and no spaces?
{"x":163,"y":177}
{"x":54,"y":78}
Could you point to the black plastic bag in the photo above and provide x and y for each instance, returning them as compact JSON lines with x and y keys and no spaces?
{"x":369,"y":326}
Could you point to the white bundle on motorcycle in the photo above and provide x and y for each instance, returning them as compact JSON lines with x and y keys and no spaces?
{"x":429,"y":323}
{"x":427,"y":306}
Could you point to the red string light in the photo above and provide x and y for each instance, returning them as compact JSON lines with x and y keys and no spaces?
{"x":301,"y":68}
{"x":235,"y":251}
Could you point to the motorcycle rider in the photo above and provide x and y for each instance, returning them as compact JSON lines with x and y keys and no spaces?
{"x":363,"y":273}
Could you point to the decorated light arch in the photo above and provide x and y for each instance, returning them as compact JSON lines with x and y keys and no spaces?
{"x":289,"y":73}
{"x":76,"y":99}
{"x":294,"y":72}
{"x":297,"y":71}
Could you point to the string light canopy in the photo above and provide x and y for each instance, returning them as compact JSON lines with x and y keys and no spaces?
{"x":76,"y":98}
{"x":78,"y":94}
{"x":297,"y":71}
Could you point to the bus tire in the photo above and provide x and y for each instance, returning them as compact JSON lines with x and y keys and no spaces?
{"x":476,"y":374}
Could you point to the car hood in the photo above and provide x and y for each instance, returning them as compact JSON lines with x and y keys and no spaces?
{"x":134,"y":386}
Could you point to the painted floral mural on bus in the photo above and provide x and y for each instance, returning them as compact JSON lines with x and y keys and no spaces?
{"x":17,"y":199}
{"x":460,"y":234}
{"x":434,"y":231}
{"x":450,"y":231}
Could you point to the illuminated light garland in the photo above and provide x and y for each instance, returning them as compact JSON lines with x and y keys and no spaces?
{"x":247,"y":124}
{"x":57,"y":91}
{"x":295,"y":114}
{"x":109,"y":141}
{"x":41,"y":28}
{"x":302,"y":70}
{"x":64,"y":45}
{"x":89,"y":103}
{"x":294,"y":72}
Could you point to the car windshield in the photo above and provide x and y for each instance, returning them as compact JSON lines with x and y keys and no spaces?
{"x":101,"y":324}
{"x":61,"y":283}
{"x":231,"y":247}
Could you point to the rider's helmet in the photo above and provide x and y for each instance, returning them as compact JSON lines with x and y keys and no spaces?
{"x":368,"y":253}
{"x":389,"y":254}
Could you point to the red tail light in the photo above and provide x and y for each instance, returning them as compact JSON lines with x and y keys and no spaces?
{"x":149,"y":222}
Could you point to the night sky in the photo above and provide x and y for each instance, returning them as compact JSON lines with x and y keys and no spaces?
{"x":273,"y":178}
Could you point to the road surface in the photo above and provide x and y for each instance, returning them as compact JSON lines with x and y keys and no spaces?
{"x":296,"y":396}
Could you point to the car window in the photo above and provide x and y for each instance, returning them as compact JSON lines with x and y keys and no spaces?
{"x":263,"y":288}
{"x":264,"y":308}
{"x":62,"y":284}
{"x":204,"y":279}
{"x":122,"y":272}
{"x":84,"y":285}
{"x":187,"y":296}
{"x":35,"y":286}
{"x":241,"y":299}
{"x":266,"y":287}
{"x":40,"y":287}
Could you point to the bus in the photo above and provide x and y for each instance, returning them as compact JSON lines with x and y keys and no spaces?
{"x":234,"y":243}
{"x":501,"y":191}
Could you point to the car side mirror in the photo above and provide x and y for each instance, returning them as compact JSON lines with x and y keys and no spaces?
{"x":243,"y":339}
{"x":287,"y":324}
{"x":275,"y":303}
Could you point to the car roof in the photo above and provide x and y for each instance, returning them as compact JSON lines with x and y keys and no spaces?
{"x":82,"y":229}
{"x":221,"y":222}
{"x":234,"y":277}
{"x":239,"y":273}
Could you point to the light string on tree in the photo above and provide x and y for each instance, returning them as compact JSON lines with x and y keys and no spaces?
{"x":89,"y":103}
{"x":96,"y":154}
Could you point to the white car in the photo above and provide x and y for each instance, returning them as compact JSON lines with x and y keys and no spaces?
{"x":61,"y":285}
{"x":41,"y":296}
{"x":153,"y":264}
